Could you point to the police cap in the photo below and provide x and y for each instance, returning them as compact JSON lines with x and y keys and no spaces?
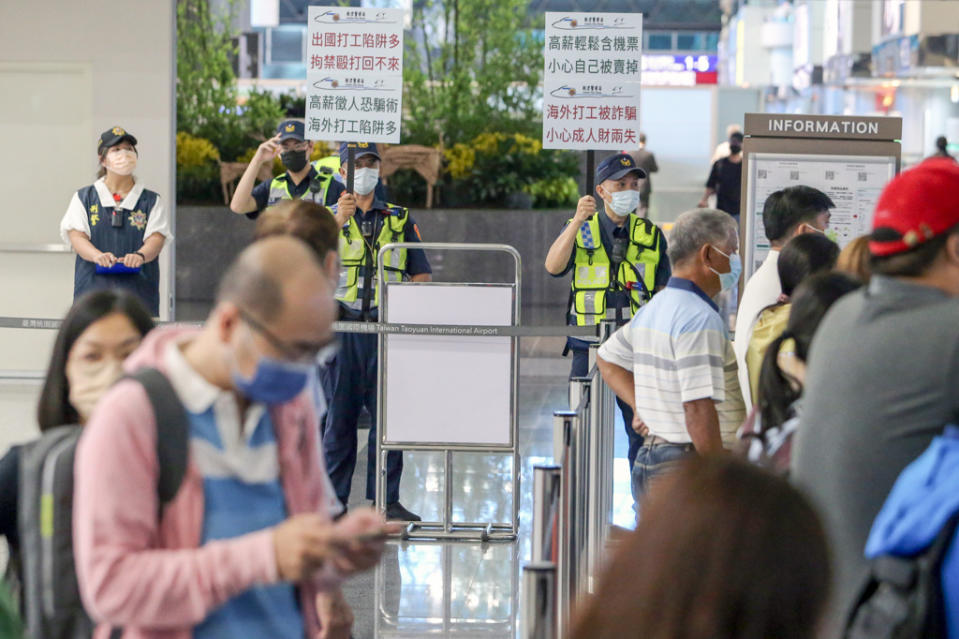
{"x":290,"y":130}
{"x":113,"y":137}
{"x":616,"y":166}
{"x":362,"y":148}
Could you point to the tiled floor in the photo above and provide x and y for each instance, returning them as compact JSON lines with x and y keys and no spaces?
{"x":467,"y":589}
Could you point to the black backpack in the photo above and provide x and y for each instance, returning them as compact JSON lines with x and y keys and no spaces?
{"x":902,"y":596}
{"x":50,"y":596}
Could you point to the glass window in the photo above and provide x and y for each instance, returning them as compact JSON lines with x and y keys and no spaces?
{"x":659,"y":41}
{"x":712,"y":41}
{"x":689,"y":41}
{"x":286,"y":45}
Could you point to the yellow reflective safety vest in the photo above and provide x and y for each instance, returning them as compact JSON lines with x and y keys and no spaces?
{"x":325,"y":169}
{"x":280,"y":190}
{"x":592,"y":280}
{"x":356,"y":252}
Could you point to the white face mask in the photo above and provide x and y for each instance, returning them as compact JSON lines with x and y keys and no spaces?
{"x":89,"y":381}
{"x":624,"y":202}
{"x":121,"y":162}
{"x":364,"y":180}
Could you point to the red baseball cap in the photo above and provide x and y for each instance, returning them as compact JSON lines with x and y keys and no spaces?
{"x":915,"y":207}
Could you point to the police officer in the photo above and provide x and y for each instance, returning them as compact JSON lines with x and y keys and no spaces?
{"x":618,"y":261}
{"x":116,"y":226}
{"x":366,"y":223}
{"x":302,"y":180}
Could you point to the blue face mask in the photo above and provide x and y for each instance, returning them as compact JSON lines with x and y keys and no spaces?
{"x":274,"y":381}
{"x":729,"y":280}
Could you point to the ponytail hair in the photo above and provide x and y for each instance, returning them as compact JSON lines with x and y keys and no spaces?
{"x":776,"y":391}
{"x":810,"y":302}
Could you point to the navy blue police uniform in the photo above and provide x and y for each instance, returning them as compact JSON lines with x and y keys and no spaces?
{"x":350,"y":379}
{"x":315,"y":186}
{"x":120,"y":240}
{"x":261,"y":192}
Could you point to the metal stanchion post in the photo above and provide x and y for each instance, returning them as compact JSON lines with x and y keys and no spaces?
{"x":565,"y":424}
{"x":539,"y":601}
{"x":595,"y":514}
{"x":607,"y":401}
{"x":546,"y":482}
{"x":602,"y":458}
{"x":581,"y":485}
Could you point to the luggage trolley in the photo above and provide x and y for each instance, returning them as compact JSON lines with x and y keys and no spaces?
{"x":434,"y":355}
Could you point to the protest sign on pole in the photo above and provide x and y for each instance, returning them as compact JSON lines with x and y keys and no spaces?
{"x":592,"y":80}
{"x":354,"y":62}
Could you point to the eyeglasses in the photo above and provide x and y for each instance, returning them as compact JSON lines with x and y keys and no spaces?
{"x":304,"y":352}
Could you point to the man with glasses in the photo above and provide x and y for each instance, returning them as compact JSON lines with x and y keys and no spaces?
{"x":302,"y":180}
{"x":247,"y":546}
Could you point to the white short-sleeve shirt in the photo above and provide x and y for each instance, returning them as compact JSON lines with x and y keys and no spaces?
{"x":75,"y":219}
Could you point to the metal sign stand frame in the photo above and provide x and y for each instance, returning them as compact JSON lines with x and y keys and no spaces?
{"x":447,"y":529}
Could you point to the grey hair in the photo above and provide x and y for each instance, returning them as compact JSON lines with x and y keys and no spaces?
{"x":697,"y":227}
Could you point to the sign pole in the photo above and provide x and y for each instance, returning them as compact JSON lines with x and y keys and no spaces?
{"x":350,"y":166}
{"x":590,"y":172}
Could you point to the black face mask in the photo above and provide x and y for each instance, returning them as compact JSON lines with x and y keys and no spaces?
{"x":735,"y":148}
{"x":293,"y":160}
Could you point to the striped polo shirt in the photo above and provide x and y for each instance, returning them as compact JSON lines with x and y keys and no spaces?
{"x":679,"y":350}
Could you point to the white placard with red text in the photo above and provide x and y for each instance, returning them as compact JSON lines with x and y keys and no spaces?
{"x":592,"y":80}
{"x":354,"y":74}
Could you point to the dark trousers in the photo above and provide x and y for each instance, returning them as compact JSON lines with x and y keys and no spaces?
{"x":581,"y":369}
{"x":350,"y":385}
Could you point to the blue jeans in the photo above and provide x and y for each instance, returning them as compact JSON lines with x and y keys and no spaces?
{"x":654,"y":460}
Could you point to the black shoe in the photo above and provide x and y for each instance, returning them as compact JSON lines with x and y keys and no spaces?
{"x":396,"y":512}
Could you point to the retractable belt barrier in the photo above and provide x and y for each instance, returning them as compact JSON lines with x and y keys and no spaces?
{"x":376,"y":328}
{"x":572,"y":506}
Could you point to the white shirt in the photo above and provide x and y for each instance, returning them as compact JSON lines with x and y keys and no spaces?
{"x":76,"y":219}
{"x":762,"y":290}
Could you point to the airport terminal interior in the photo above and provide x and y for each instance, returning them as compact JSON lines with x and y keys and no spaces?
{"x":492,"y":356}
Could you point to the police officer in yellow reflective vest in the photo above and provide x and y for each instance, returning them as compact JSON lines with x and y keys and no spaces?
{"x":302,"y":180}
{"x":366,"y":223}
{"x":618,"y":261}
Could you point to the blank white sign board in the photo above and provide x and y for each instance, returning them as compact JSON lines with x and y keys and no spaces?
{"x":448,"y":390}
